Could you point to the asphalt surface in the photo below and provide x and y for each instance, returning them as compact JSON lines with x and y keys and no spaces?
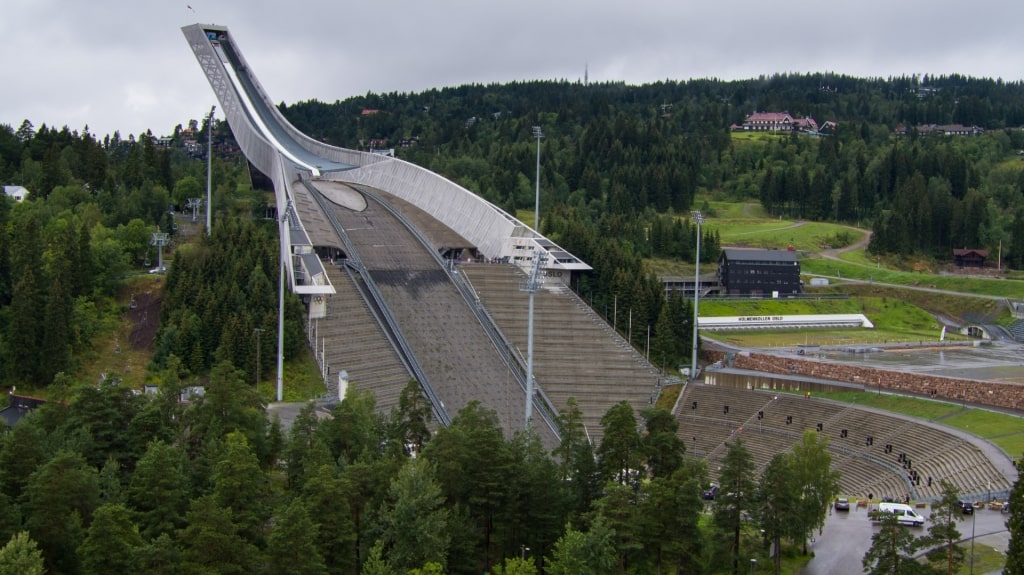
{"x":841,"y":546}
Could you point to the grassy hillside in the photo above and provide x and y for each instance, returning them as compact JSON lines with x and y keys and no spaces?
{"x":873,"y":284}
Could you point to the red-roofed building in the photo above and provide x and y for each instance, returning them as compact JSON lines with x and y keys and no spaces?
{"x":806,"y":124}
{"x":769,"y":121}
{"x":970,"y":258}
{"x":777,"y":122}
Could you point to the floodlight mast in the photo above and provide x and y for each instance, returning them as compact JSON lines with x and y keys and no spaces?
{"x":698,"y":218}
{"x":537,"y":133}
{"x":532,"y":285}
{"x":209,"y":167}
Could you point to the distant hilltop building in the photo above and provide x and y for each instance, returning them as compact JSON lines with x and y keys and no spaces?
{"x":18,"y":193}
{"x":779,"y":122}
{"x":941,"y":130}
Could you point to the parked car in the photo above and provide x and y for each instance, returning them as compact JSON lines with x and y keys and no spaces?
{"x":711,"y":491}
{"x":966,"y":507}
{"x":842,"y":504}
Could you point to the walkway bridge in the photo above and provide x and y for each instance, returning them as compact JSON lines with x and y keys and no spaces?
{"x":388,"y":234}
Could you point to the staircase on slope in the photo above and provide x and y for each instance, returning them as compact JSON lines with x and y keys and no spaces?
{"x":1016,"y":329}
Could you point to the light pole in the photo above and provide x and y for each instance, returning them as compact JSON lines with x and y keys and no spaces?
{"x":532,"y":285}
{"x":973,"y":517}
{"x":537,"y":133}
{"x":209,"y":167}
{"x":698,"y":218}
{"x":753,"y":566}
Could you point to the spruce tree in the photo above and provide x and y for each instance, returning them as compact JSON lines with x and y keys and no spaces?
{"x":1015,"y":525}
{"x":735,"y":498}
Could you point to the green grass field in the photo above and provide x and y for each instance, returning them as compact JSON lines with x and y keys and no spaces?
{"x":780,"y":234}
{"x":1004,"y":288}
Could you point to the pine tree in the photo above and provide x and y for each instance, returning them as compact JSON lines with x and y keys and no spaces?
{"x":22,"y":451}
{"x":619,"y":452}
{"x":24,"y":331}
{"x":812,"y":469}
{"x":414,"y":417}
{"x":291,"y":547}
{"x":660,"y":443}
{"x":777,"y":503}
{"x":158,"y":491}
{"x":376,"y":564}
{"x":414,"y":520}
{"x":326,"y":495}
{"x":211,"y":542}
{"x":160,"y":556}
{"x":1015,"y":525}
{"x":892,"y":549}
{"x":946,"y":513}
{"x":21,"y":556}
{"x":736,"y":496}
{"x":58,"y":500}
{"x":241,"y":486}
{"x":112,"y":542}
{"x":584,"y":553}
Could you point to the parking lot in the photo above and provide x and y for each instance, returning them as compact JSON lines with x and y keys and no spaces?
{"x":847,"y":537}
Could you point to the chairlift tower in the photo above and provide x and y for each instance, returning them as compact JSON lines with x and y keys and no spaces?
{"x":194,"y":204}
{"x":159,"y":240}
{"x":532,"y":285}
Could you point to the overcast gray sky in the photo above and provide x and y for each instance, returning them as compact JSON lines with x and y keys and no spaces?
{"x":124,"y":64}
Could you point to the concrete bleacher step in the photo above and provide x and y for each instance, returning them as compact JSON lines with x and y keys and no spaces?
{"x":865,"y":469}
{"x":576,"y":355}
{"x":357,"y":345}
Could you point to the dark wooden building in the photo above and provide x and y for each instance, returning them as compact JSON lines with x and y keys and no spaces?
{"x":19,"y":407}
{"x":970,"y":258}
{"x":756,"y":272}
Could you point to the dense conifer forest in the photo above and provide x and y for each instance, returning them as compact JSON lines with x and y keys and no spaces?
{"x":618,"y":157}
{"x":103,"y":479}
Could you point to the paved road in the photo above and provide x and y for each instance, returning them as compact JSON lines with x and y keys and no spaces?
{"x":840,"y":279}
{"x":841,"y":546}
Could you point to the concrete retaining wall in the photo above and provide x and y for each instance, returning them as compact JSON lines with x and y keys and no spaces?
{"x":1000,"y":395}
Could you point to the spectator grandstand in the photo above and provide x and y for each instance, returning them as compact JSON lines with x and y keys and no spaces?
{"x":576,"y":353}
{"x":878,"y":453}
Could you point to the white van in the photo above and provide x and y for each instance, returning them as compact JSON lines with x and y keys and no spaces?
{"x":905,"y":514}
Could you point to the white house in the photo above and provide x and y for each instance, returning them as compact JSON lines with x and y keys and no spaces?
{"x":19,"y":193}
